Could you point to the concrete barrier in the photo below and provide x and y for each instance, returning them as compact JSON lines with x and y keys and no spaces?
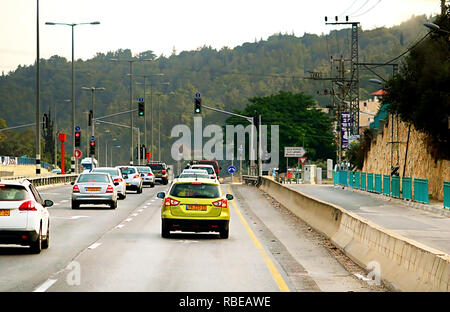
{"x":401,"y":263}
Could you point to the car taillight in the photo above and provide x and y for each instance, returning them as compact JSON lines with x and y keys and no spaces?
{"x":170,"y":202}
{"x":149,"y":174}
{"x":221,"y":203}
{"x":75,"y":189}
{"x":136,"y":176}
{"x":28,"y":206}
{"x":109,"y":189}
{"x":163,"y":171}
{"x":118,"y":180}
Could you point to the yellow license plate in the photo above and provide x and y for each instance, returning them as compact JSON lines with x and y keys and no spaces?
{"x":93,"y":189}
{"x":4,"y":212}
{"x":196,"y":207}
{"x":128,"y":184}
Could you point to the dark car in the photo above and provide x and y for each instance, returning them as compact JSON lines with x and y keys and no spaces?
{"x":160,"y":170}
{"x":213,"y":163}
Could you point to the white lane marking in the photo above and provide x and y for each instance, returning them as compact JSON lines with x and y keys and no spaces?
{"x":55,"y":204}
{"x":128,"y":220}
{"x":120,"y":226}
{"x":46,"y":285}
{"x":134,"y":214}
{"x":78,"y":217}
{"x":140,"y":210}
{"x":94,"y":245}
{"x":64,"y":201}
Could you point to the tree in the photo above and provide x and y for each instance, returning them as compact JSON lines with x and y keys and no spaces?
{"x":420,"y":92}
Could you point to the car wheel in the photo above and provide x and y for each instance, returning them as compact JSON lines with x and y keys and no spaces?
{"x":152,"y":185}
{"x":75,"y":205}
{"x":36,"y":246}
{"x":46,"y":241}
{"x":224,"y":233}
{"x":165,"y":233}
{"x":113,"y":205}
{"x":139,"y":191}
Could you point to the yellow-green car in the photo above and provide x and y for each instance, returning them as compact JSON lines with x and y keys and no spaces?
{"x":195,"y":205}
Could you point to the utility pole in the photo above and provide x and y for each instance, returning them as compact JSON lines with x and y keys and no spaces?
{"x":38,"y":103}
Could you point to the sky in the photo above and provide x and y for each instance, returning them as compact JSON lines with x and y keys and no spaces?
{"x":183,"y":25}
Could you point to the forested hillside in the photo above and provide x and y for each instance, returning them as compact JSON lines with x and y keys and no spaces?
{"x":226,"y":78}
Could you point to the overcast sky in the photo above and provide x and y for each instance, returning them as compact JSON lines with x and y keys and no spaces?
{"x":161,"y":25}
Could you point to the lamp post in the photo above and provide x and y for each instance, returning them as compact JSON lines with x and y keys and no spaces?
{"x":38,"y":103}
{"x":436,"y":28}
{"x":72,"y":165}
{"x":93,"y":89}
{"x":131,"y":101}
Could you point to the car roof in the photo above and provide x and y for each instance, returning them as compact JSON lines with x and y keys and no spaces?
{"x":201,"y":180}
{"x":193,"y":170}
{"x":202,"y":165}
{"x":22,"y":182}
{"x":105,"y":168}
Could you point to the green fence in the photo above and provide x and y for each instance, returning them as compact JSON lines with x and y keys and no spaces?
{"x":377,"y":183}
{"x":386,"y":184}
{"x":421,"y":191}
{"x":406,"y":188}
{"x":395,"y":186}
{"x":447,"y":194}
{"x":357,"y":179}
{"x":363,"y":181}
{"x":370,"y":182}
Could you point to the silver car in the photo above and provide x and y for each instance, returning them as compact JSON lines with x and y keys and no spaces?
{"x":132,"y":178}
{"x":94,"y":188}
{"x":147,"y":174}
{"x":117,"y":176}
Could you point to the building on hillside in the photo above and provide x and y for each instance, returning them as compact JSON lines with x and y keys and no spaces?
{"x":368,"y":109}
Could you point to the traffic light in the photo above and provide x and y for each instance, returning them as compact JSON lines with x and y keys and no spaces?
{"x":45,"y":120}
{"x":141,"y":108}
{"x":77,"y":138}
{"x":91,"y":114}
{"x":91,"y":148}
{"x":197,"y":106}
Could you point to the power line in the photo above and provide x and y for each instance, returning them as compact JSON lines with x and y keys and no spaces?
{"x":368,"y":9}
{"x":351,"y":5}
{"x":364,"y":4}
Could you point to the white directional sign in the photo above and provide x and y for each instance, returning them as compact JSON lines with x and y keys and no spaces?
{"x":294,"y":151}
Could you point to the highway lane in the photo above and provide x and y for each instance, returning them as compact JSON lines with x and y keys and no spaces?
{"x":100,"y":249}
{"x":71,"y":231}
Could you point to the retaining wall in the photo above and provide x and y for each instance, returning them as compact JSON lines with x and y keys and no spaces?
{"x":402,"y":264}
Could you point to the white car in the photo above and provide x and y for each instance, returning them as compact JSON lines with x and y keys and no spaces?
{"x":24,"y":218}
{"x":116,"y":175}
{"x":147,"y":175}
{"x":132,"y":178}
{"x":194,"y":173}
{"x":209,"y":168}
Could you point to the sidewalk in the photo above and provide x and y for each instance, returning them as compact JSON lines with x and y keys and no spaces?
{"x":429,"y":228}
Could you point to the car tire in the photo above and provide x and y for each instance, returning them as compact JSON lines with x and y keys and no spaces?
{"x":75,"y":205}
{"x":224,"y":233}
{"x":165,"y":182}
{"x":122,"y":196}
{"x":113,"y":205}
{"x":152,"y":185}
{"x":36,"y":246}
{"x":165,"y":233}
{"x":46,"y":241}
{"x":139,"y":191}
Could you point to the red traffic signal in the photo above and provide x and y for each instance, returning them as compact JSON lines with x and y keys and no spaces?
{"x":77,"y":138}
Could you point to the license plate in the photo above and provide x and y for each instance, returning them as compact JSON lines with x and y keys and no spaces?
{"x":128,"y":184}
{"x":196,"y":207}
{"x":4,"y":212}
{"x":93,"y":189}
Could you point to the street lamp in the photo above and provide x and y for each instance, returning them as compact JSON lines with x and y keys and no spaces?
{"x":131,"y":100}
{"x":72,"y":165}
{"x":92,"y":89}
{"x":435,"y":28}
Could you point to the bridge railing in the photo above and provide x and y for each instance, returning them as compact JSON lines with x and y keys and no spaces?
{"x":46,"y":180}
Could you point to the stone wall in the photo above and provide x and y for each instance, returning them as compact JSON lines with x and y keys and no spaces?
{"x":420,"y":163}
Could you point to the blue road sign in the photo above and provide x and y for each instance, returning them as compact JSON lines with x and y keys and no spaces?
{"x":77,"y":128}
{"x":231,"y":169}
{"x":141,"y":99}
{"x":197,"y":95}
{"x":92,"y":138}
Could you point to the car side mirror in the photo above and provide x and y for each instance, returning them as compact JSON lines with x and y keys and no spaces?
{"x":142,"y":174}
{"x":229,"y":197}
{"x":116,"y":183}
{"x":125,"y":176}
{"x":48,"y":203}
{"x":161,"y":195}
{"x":72,"y":183}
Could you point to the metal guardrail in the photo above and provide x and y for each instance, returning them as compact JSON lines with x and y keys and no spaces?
{"x":46,"y":180}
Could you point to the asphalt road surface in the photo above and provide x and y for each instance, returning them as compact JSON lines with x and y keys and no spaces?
{"x":100,"y":249}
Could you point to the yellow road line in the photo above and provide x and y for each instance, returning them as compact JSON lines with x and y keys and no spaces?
{"x":270,"y":265}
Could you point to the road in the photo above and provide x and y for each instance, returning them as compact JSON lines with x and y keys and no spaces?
{"x":97,"y":249}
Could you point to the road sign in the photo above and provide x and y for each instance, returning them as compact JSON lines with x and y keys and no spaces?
{"x":141,"y":99}
{"x":302,"y":160}
{"x":92,"y":138}
{"x":231,"y":169}
{"x":294,"y":151}
{"x":78,"y":154}
{"x":197,"y":95}
{"x":77,"y":128}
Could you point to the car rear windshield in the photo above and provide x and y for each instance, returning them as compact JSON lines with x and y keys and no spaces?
{"x":143,"y":169}
{"x":127,"y":170}
{"x":87,"y":178}
{"x":189,"y":190}
{"x":156,"y":166}
{"x":112,"y":172}
{"x":194,"y":175}
{"x":209,"y":169}
{"x":13,"y":192}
